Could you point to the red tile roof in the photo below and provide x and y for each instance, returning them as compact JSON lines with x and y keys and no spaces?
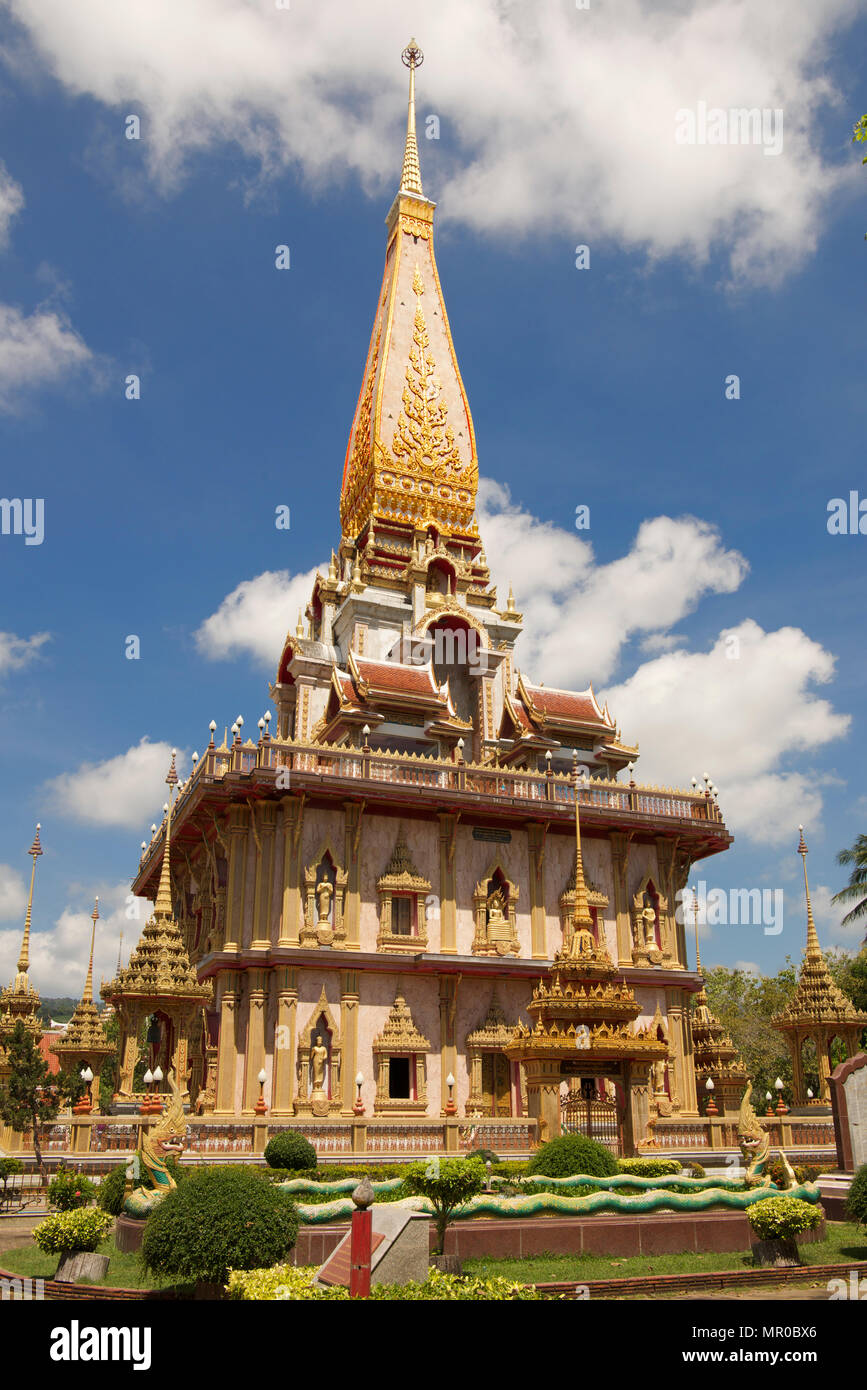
{"x":574,"y":706}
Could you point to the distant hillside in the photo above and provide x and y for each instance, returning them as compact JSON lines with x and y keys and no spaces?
{"x":61,"y":1010}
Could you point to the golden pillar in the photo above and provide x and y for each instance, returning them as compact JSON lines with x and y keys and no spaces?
{"x":448,"y":906}
{"x":536,"y":840}
{"x":619,"y":865}
{"x":266,"y":816}
{"x":543,"y":1096}
{"x":680,"y":1047}
{"x":636,"y":1078}
{"x":256,"y":1010}
{"x":284,"y":1042}
{"x":349,"y":998}
{"x":291,"y":915}
{"x":448,"y":1035}
{"x":227,"y":1053}
{"x":352,"y":859}
{"x":239,"y":823}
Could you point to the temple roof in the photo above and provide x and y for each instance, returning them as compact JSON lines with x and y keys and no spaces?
{"x":84,"y":1035}
{"x":19,"y":1001}
{"x":411,"y":455}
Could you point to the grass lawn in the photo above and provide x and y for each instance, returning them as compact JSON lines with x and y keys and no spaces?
{"x":845,"y":1241}
{"x":125,"y":1270}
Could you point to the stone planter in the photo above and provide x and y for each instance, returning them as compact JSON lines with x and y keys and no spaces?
{"x":779,"y":1252}
{"x":81,"y":1265}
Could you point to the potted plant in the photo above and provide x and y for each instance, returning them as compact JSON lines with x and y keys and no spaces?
{"x":778,"y":1221}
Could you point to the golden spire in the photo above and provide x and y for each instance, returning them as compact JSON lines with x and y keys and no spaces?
{"x":410,"y":179}
{"x":163,"y":904}
{"x":695,"y":925}
{"x":87,"y":996}
{"x":581,"y":915}
{"x":813,"y":948}
{"x":24,"y":958}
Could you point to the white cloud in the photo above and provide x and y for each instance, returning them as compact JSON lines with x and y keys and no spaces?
{"x":127,"y":790}
{"x":11,"y":202}
{"x":58,"y":956}
{"x":749,"y":967}
{"x":739,"y":720}
{"x":563,"y":118}
{"x":36,"y":350}
{"x":671,"y":565}
{"x":17,"y":652}
{"x":829,"y":916}
{"x":254,"y":618}
{"x":13,"y":894}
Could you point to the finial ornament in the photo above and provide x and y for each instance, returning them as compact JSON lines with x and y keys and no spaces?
{"x":87,"y":996}
{"x":410,"y":179}
{"x":24,"y":959}
{"x":812,"y":938}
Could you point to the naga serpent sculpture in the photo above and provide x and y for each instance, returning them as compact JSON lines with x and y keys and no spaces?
{"x":165,"y":1140}
{"x":625,"y":1193}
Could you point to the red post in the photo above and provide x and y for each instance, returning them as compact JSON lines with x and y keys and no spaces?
{"x":359,"y":1254}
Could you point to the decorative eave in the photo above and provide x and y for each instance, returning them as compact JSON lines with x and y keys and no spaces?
{"x":400,"y":1033}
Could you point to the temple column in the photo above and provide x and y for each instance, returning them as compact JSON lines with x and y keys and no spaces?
{"x":266,"y":816}
{"x":227,"y":1051}
{"x":665,"y":865}
{"x":799,"y":1090}
{"x":619,"y":863}
{"x":352,"y":859}
{"x":291,"y":915}
{"x":349,"y":998}
{"x":128,"y":1054}
{"x":543,"y":1096}
{"x":823,"y":1044}
{"x":284,"y":1042}
{"x":536,"y":841}
{"x":448,"y":1035}
{"x":448,"y":906}
{"x":239,"y":822}
{"x":636,"y":1077}
{"x":256,"y":1010}
{"x":680,"y":1047}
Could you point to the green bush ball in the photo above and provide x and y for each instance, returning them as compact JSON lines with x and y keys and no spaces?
{"x":571,"y":1154}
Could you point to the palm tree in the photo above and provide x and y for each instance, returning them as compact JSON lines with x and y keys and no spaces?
{"x":856,"y":889}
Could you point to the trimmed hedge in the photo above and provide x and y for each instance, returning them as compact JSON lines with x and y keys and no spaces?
{"x":290,"y":1150}
{"x":782,"y":1218}
{"x":285,"y":1282}
{"x":66,"y":1231}
{"x":650,"y":1167}
{"x":570,"y":1154}
{"x":219,"y":1219}
{"x":111,"y":1191}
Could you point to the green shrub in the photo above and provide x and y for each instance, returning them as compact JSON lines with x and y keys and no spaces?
{"x":569,"y":1154}
{"x":856,"y":1202}
{"x":781,"y":1218}
{"x":448,"y":1183}
{"x":111,"y":1191}
{"x":288,"y":1149}
{"x":697,"y":1171}
{"x":285,"y":1282}
{"x":649,"y":1167}
{"x":9,"y":1168}
{"x":65,"y":1231}
{"x":68,"y":1191}
{"x":219,"y":1219}
{"x":486,"y":1155}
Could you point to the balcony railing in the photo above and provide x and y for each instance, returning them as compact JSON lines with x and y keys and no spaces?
{"x":452,"y":778}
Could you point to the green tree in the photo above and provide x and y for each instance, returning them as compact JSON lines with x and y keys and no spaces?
{"x":854,"y":895}
{"x":32,"y":1097}
{"x":448,"y":1183}
{"x":744,"y":1005}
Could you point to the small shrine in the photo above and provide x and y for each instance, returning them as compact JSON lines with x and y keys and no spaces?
{"x":818,"y":1013}
{"x":159,"y":989}
{"x":19,"y":1001}
{"x":84,"y":1046}
{"x":583,"y":1027}
{"x":715,"y":1056}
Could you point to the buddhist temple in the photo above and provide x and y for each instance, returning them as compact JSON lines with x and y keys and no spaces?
{"x":818,"y":1013}
{"x":83,"y":1045}
{"x":375,"y":883}
{"x":158,"y":990}
{"x":716,"y":1058}
{"x":19,"y":1001}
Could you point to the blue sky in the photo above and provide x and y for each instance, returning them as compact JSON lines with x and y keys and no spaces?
{"x":603,"y":386}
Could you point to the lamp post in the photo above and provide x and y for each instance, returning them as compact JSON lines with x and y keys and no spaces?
{"x":260,"y":1106}
{"x":770,"y":1108}
{"x":451,"y":1108}
{"x":358,"y":1107}
{"x":711,"y":1103}
{"x":85,"y":1105}
{"x":781,"y":1104}
{"x":145,"y":1107}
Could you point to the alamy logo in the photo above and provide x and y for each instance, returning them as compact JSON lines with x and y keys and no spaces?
{"x":23,"y":516}
{"x":739,"y":125}
{"x":22,"y":1290}
{"x":77,"y":1343}
{"x":746,"y":907}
